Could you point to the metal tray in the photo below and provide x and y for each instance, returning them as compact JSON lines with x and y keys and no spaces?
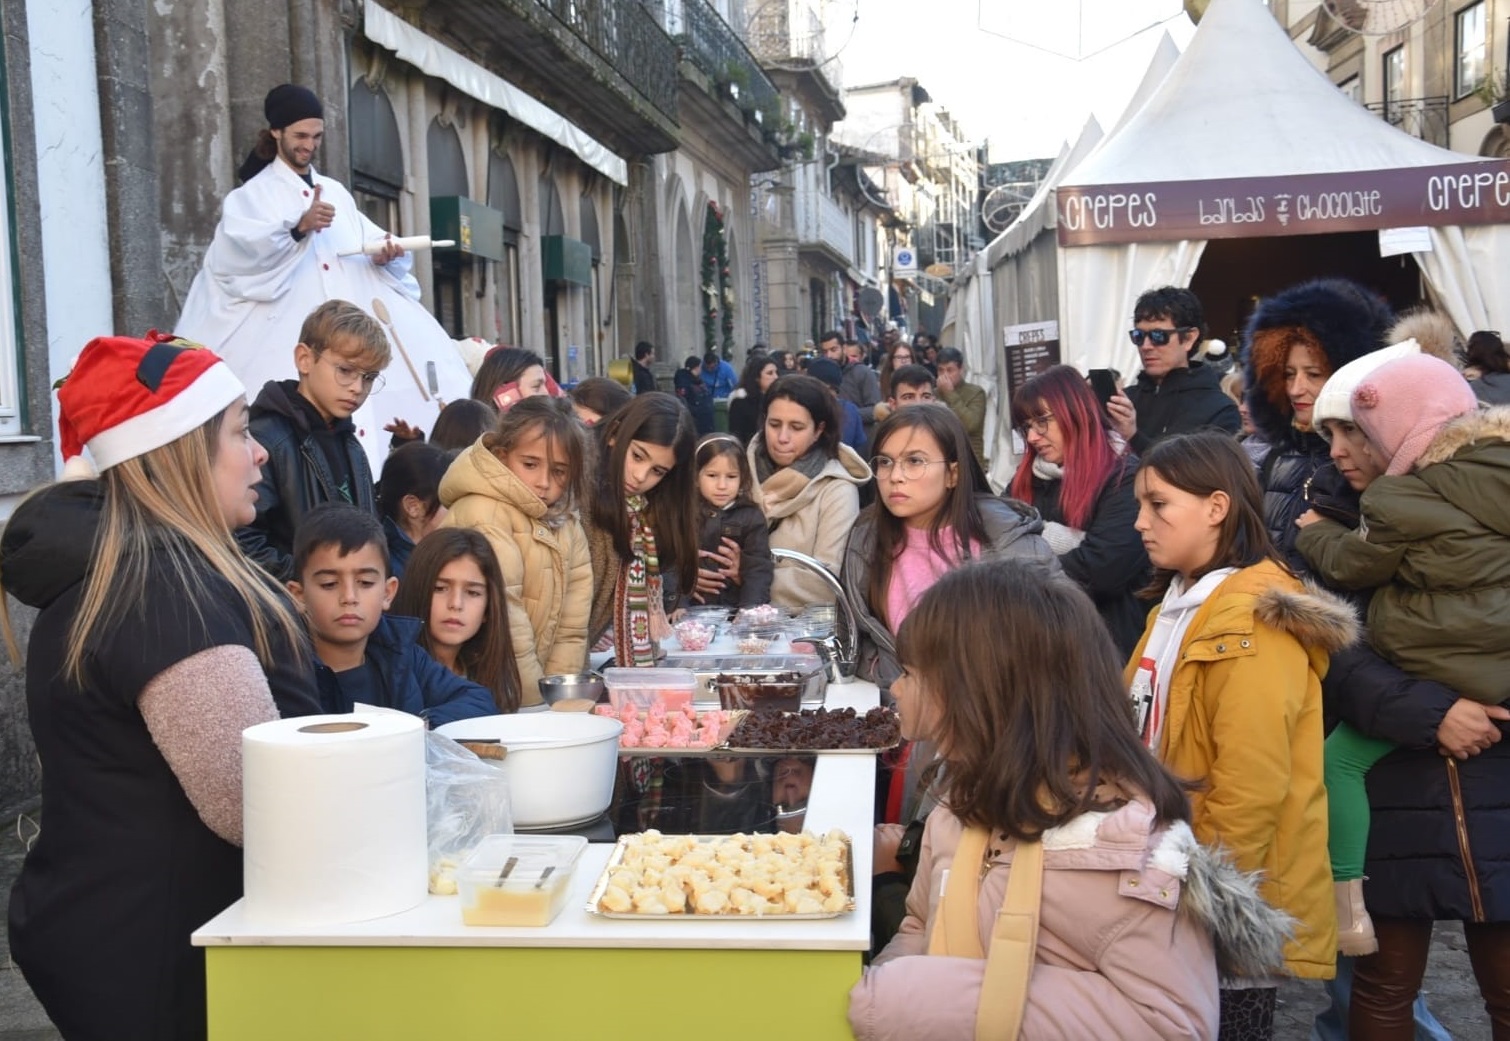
{"x":618,"y":855}
{"x":724,"y":750}
{"x":767,"y":752}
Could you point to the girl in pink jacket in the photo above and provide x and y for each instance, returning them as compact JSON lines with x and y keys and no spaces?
{"x":1036,"y":742}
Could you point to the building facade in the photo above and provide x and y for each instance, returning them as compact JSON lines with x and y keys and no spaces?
{"x":1437,"y":77}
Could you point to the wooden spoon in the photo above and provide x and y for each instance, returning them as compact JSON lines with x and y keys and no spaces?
{"x":381,"y":310}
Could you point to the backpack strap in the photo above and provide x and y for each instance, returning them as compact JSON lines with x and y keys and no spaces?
{"x":1014,"y":936}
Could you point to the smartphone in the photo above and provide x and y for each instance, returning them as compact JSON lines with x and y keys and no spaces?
{"x":507,"y":396}
{"x":1104,"y":383}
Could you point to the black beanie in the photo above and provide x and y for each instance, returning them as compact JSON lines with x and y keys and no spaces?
{"x":289,"y":104}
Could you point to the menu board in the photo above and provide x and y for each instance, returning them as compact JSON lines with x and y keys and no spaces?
{"x":1030,"y":349}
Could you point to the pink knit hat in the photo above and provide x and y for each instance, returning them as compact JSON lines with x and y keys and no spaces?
{"x":1404,"y":403}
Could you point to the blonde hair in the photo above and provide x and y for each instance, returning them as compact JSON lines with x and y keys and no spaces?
{"x":171,"y":491}
{"x":338,"y":319}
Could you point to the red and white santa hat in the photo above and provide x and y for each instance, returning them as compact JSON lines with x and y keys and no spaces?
{"x":127,"y":396}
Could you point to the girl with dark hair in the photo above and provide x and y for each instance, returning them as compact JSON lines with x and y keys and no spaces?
{"x":641,"y":524}
{"x":898,"y":355}
{"x":744,"y":404}
{"x":409,"y":499}
{"x":728,"y":513}
{"x":786,"y":362}
{"x":809,"y":484}
{"x":508,"y":374}
{"x":598,"y":397}
{"x":1078,"y":473}
{"x":521,"y":487}
{"x":455,"y":587}
{"x":1042,"y":781}
{"x":1487,"y":366}
{"x":935,"y":511}
{"x":1226,"y":690}
{"x":461,"y":423}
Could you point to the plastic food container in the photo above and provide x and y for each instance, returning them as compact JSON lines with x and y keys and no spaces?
{"x":643,"y":688}
{"x":695,"y":635}
{"x":531,"y":891}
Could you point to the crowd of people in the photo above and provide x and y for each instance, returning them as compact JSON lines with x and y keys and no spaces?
{"x":1208,"y":697}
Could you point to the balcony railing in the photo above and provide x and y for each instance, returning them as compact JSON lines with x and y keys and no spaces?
{"x":791,"y":33}
{"x":821,"y":221}
{"x":1425,"y":118}
{"x":709,"y":44}
{"x":627,"y":37}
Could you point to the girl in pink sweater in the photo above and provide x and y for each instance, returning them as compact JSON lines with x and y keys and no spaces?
{"x":1036,"y":745}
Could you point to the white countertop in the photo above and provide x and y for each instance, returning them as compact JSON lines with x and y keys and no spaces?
{"x":843,"y":797}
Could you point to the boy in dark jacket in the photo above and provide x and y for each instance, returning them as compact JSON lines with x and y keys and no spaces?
{"x":306,"y":427}
{"x":362,"y":655}
{"x":695,"y":394}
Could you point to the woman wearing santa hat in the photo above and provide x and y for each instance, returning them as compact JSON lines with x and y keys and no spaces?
{"x":156,"y":644}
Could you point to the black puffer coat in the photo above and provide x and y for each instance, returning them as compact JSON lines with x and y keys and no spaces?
{"x":1344,"y":321}
{"x":1111,"y":564}
{"x":1421,"y":864}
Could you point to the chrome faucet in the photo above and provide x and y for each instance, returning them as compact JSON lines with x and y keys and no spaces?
{"x":839,"y":650}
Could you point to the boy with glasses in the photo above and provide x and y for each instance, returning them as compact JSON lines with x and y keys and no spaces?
{"x":305,"y":425}
{"x":1172,"y":395}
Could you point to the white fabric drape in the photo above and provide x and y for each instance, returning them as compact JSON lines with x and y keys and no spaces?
{"x":1468,"y":277}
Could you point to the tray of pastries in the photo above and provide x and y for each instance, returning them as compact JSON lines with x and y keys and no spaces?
{"x":777,"y":877}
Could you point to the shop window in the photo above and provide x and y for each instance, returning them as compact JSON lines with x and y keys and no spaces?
{"x":377,"y":156}
{"x":503,"y":195}
{"x":1471,"y":49}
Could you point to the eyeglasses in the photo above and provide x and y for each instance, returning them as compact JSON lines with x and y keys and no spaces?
{"x":1037,"y":425}
{"x":1157,"y":337}
{"x":346,"y":376}
{"x":912,"y":467}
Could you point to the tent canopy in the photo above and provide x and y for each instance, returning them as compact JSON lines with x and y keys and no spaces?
{"x":1245,"y":137}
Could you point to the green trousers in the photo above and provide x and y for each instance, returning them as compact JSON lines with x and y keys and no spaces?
{"x":1349,"y":756}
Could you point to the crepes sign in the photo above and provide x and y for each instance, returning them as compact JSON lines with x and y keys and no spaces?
{"x":1305,"y":204}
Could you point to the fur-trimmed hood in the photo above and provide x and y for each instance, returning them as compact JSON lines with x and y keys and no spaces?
{"x":1249,"y":935}
{"x":1433,"y":332}
{"x":1317,"y":618}
{"x":1491,"y":424}
{"x":1342,"y":319}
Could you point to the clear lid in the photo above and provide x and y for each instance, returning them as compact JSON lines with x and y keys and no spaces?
{"x":650,"y":679}
{"x":535,"y":854}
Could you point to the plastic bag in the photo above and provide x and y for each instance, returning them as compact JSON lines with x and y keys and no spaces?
{"x":467,"y":799}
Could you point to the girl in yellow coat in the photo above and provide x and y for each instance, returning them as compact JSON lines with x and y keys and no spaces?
{"x":1226,"y":690}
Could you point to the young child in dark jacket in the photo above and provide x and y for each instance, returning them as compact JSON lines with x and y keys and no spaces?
{"x":362,"y":655}
{"x":313,"y":456}
{"x":726,"y":511}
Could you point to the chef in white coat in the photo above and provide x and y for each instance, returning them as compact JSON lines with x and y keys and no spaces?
{"x":278,"y":254}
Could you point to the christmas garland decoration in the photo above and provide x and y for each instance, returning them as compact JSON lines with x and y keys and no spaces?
{"x":718,"y":318}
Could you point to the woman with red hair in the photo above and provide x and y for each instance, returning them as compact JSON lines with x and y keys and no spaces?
{"x":1079,"y":475}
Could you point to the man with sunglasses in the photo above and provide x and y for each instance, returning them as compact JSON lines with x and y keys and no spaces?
{"x":1173,"y":394}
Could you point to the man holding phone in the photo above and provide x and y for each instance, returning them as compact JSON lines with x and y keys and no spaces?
{"x":1172,"y":395}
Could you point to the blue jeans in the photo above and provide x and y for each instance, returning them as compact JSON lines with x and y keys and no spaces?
{"x":1331,"y":1025}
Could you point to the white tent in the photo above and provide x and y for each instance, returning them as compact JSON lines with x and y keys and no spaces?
{"x":1245,"y":138}
{"x":1015,"y":279}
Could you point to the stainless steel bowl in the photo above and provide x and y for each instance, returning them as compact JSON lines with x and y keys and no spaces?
{"x":582,"y":685}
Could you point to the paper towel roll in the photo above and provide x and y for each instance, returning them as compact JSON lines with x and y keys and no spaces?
{"x":334,"y":810}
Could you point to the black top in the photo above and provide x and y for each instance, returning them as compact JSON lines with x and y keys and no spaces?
{"x":125,"y":869}
{"x":644,"y":379}
{"x":309,"y":462}
{"x":1186,"y":400}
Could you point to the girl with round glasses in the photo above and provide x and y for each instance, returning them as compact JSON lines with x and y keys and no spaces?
{"x":933,"y":512}
{"x":1078,"y":474}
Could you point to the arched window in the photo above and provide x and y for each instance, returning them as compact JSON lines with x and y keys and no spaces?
{"x":503,"y":195}
{"x":377,"y":155}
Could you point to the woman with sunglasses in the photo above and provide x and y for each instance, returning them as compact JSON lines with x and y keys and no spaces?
{"x":1078,"y":474}
{"x":934,"y":512}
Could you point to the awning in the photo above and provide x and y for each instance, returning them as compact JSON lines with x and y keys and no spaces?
{"x":434,"y":58}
